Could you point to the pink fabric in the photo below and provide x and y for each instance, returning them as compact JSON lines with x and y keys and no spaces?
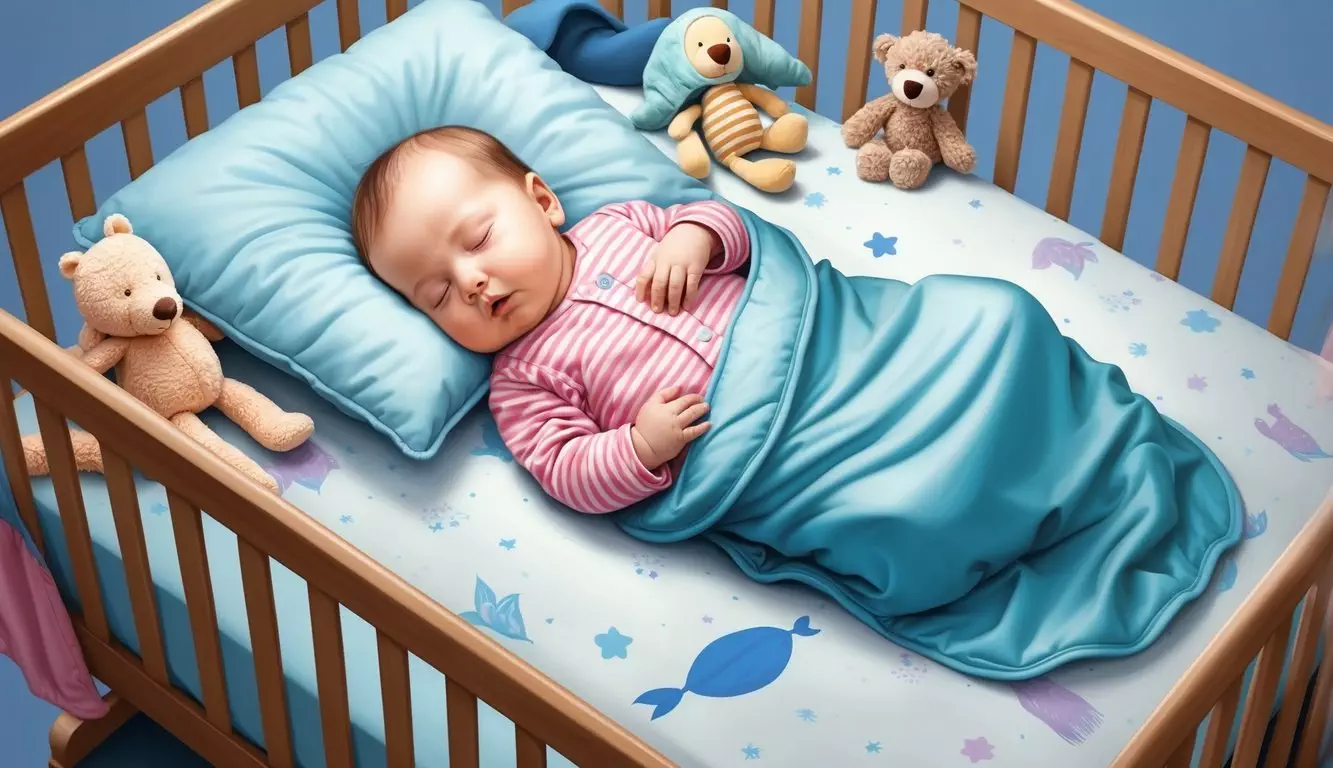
{"x":564,"y":396}
{"x":35,"y":632}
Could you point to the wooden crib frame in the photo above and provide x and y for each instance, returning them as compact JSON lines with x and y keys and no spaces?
{"x":59,"y":125}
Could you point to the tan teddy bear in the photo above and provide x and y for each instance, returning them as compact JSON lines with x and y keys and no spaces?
{"x":923,"y":70}
{"x":135,"y":321}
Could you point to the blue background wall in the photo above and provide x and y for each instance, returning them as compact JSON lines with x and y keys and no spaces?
{"x":1276,"y":46}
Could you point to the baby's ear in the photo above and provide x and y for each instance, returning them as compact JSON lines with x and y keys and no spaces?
{"x":116,"y":224}
{"x":546,"y":198}
{"x":68,"y":263}
{"x":882,"y":45}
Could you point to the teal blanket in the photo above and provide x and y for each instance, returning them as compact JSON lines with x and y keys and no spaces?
{"x":945,"y":464}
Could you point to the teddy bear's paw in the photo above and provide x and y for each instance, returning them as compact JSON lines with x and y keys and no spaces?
{"x":908,"y":168}
{"x":872,"y":162}
{"x":787,"y":134}
{"x":289,"y":432}
{"x":34,"y":456}
{"x":964,"y":160}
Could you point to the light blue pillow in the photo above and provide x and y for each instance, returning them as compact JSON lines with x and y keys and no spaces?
{"x":252,"y":216}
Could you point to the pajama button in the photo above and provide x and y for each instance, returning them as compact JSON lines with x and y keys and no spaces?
{"x":604,"y":282}
{"x":704,"y":335}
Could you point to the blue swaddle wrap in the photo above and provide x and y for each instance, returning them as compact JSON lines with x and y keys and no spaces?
{"x":670,"y":82}
{"x":945,"y":464}
{"x":587,"y":41}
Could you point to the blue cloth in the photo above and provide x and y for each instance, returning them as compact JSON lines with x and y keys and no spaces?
{"x":949,"y":467}
{"x":670,"y":81}
{"x":253,"y":216}
{"x":587,"y":41}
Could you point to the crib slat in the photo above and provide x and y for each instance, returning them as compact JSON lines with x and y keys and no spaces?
{"x":298,"y":44}
{"x":509,"y":6}
{"x":615,"y":8}
{"x":1299,"y":252}
{"x":349,"y":23}
{"x":27,"y":261}
{"x":914,"y":15}
{"x":659,"y":9}
{"x":1219,"y":727}
{"x":73,"y":515}
{"x":968,"y":38}
{"x":763,"y":16}
{"x":1259,"y":701}
{"x":461,"y":709}
{"x":138,"y":573}
{"x":395,"y":687}
{"x":138,"y":143}
{"x":261,"y":611}
{"x":394,"y":8}
{"x":195,"y":105}
{"x":812,"y":19}
{"x":78,"y":183}
{"x":1240,"y":224}
{"x":1073,"y":117}
{"x":1313,"y":609}
{"x":331,"y":677}
{"x":188,"y":524}
{"x":1184,"y":188}
{"x":1183,"y":755}
{"x":531,"y":751}
{"x":1014,"y":112}
{"x":859,"y":40}
{"x":1125,"y":167}
{"x":720,"y":4}
{"x":1318,"y":719}
{"x":245,"y":65}
{"x":11,"y":450}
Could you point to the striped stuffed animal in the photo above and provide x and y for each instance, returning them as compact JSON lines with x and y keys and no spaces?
{"x":731,"y":124}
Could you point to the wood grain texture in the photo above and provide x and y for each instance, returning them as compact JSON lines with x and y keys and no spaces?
{"x":859,"y":55}
{"x":299,"y":53}
{"x":138,"y":143}
{"x":1069,"y":141}
{"x":262,"y":615}
{"x":1300,"y":252}
{"x":1281,"y":745}
{"x":188,"y":525}
{"x":461,"y":709}
{"x":1321,"y":701}
{"x":138,"y":571}
{"x":349,"y":23}
{"x":529,"y":749}
{"x":1240,"y":225}
{"x":73,"y":739}
{"x":1219,"y":727}
{"x":1125,"y":167}
{"x":245,"y":66}
{"x":195,"y":105}
{"x":27,"y":261}
{"x":1259,"y":701}
{"x":1184,"y":189}
{"x":396,"y":690}
{"x":812,"y":21}
{"x":331,"y":677}
{"x":78,"y":183}
{"x":1013,"y":114}
{"x":11,"y":450}
{"x":968,"y":37}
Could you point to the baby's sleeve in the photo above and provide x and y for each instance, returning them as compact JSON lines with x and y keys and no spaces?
{"x":711,"y":214}
{"x":581,"y":466}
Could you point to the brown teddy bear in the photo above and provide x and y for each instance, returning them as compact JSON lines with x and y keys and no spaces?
{"x":135,"y":322}
{"x":923,"y":70}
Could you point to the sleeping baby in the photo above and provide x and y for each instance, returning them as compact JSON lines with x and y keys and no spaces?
{"x":604,"y":336}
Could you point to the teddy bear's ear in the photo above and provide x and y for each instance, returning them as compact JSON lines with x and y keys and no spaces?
{"x":68,"y":263}
{"x":116,"y":224}
{"x":964,"y":60}
{"x":882,"y":45}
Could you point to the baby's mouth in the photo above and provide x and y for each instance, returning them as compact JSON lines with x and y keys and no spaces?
{"x":499,"y":305}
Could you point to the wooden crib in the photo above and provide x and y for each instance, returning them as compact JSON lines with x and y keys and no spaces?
{"x":407,"y":621}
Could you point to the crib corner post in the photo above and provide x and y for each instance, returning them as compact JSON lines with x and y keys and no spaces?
{"x":73,"y":739}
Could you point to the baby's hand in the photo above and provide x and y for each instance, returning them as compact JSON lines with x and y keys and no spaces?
{"x":672,"y":272}
{"x":665,"y":425}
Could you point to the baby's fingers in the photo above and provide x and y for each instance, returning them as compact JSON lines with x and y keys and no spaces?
{"x":645,"y":279}
{"x":692,"y":414}
{"x":660,"y":287}
{"x":685,"y":401}
{"x":696,"y":431}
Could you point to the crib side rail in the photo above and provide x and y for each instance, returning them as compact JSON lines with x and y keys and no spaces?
{"x":266,"y":526}
{"x":1262,"y":627}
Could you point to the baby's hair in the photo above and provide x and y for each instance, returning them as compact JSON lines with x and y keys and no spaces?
{"x":470,"y":144}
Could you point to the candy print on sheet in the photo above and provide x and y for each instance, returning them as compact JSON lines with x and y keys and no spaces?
{"x":1064,"y":711}
{"x":1292,"y":438}
{"x":1056,"y":251}
{"x":308,"y":465}
{"x":733,"y":665}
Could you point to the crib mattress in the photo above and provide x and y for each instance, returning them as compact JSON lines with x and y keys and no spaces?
{"x":611,"y":618}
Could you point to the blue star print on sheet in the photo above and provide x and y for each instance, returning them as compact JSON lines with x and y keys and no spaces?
{"x":500,"y":616}
{"x":158,"y":508}
{"x":345,"y":519}
{"x":808,"y":715}
{"x":1199,"y":321}
{"x":437,"y":526}
{"x":834,"y":170}
{"x":508,"y":543}
{"x":733,"y":665}
{"x":613,"y":644}
{"x":1138,"y":349}
{"x":815,"y":200}
{"x":974,"y":203}
{"x":873,"y":748}
{"x":750,"y":751}
{"x":1246,"y":373}
{"x":880,"y":245}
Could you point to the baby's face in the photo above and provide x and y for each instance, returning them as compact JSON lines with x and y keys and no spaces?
{"x":479,"y":253}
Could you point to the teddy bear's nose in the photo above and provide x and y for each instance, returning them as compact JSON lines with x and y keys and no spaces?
{"x":912,"y":88}
{"x":164,"y":309}
{"x":721,"y":53}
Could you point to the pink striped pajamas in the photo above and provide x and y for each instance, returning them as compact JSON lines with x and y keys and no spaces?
{"x":565,"y":395}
